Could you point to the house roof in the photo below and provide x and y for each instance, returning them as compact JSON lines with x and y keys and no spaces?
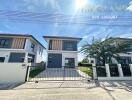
{"x":63,"y":37}
{"x":22,"y":35}
{"x":118,"y":38}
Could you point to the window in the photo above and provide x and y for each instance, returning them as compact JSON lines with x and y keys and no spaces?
{"x":50,"y":45}
{"x":2,"y":59}
{"x":70,"y":45}
{"x":69,"y":62}
{"x":32,"y":47}
{"x":31,"y":58}
{"x":92,"y":61}
{"x":5,"y":43}
{"x":17,"y":57}
{"x":40,"y":51}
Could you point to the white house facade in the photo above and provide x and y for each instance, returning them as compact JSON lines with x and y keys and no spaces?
{"x":62,"y":51}
{"x":15,"y":48}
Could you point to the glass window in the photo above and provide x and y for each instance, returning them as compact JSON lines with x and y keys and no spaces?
{"x":5,"y":43}
{"x":31,"y":58}
{"x":17,"y":57}
{"x":40,"y":51}
{"x":70,"y":45}
{"x":2,"y":59}
{"x":50,"y":45}
{"x":32,"y":47}
{"x":69,"y":63}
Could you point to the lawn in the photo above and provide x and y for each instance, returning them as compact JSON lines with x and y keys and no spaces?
{"x":86,"y":70}
{"x":35,"y":72}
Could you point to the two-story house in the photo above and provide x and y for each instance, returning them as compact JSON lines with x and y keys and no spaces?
{"x":124,"y":58}
{"x":15,"y":48}
{"x":62,"y":51}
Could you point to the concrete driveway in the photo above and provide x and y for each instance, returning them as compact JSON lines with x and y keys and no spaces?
{"x":60,"y":74}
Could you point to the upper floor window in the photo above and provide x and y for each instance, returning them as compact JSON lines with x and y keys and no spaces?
{"x":5,"y":43}
{"x":40,"y":51}
{"x":50,"y":45}
{"x":33,"y":47}
{"x":70,"y":45}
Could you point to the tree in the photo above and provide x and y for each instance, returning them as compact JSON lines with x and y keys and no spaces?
{"x":103,"y":51}
{"x":85,"y":60}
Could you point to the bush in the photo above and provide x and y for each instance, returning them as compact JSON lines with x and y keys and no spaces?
{"x":84,"y":64}
{"x":36,"y":71}
{"x":86,"y":70}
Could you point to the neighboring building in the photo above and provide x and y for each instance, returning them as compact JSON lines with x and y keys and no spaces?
{"x":124,"y":58}
{"x":15,"y":48}
{"x":91,"y":60}
{"x":62,"y":51}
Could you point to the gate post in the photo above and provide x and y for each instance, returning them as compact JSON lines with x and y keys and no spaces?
{"x":120,"y":70}
{"x":27,"y":73}
{"x":107,"y":70}
{"x":94,"y":71}
{"x":130,"y":68}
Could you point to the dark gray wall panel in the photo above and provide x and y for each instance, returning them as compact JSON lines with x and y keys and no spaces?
{"x":54,"y":60}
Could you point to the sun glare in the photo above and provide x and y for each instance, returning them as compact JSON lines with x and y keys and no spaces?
{"x":80,"y":3}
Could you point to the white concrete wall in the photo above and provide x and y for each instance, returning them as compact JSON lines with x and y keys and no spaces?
{"x":12,"y":72}
{"x":69,"y":55}
{"x":39,"y":57}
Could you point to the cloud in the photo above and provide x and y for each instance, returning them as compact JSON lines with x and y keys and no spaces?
{"x":130,"y":6}
{"x":53,"y":3}
{"x":37,"y":4}
{"x":85,"y":37}
{"x":129,"y":35}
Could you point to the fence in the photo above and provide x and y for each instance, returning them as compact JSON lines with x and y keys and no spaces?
{"x":113,"y":72}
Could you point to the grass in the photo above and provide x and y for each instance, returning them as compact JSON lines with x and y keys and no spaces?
{"x":86,"y":70}
{"x":35,"y":72}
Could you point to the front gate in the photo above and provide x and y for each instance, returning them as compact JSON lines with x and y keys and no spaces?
{"x":60,"y":78}
{"x":58,"y":74}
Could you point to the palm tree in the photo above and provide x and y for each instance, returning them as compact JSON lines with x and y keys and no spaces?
{"x":104,"y":51}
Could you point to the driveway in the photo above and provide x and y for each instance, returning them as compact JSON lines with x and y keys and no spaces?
{"x":60,"y":74}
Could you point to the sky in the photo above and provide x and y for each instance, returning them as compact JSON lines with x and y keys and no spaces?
{"x":75,"y":18}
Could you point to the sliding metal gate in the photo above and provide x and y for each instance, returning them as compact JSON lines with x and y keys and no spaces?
{"x":61,"y":74}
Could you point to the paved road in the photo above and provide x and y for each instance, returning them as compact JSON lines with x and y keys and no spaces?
{"x":66,"y":94}
{"x":70,"y":90}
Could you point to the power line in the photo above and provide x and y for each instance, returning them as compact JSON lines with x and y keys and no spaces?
{"x":61,"y":19}
{"x":72,"y":23}
{"x":42,"y":15}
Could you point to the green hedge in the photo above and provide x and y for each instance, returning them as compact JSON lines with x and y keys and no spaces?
{"x":36,"y":71}
{"x":86,"y":70}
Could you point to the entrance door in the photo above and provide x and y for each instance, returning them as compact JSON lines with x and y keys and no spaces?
{"x":54,"y":60}
{"x":70,"y":62}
